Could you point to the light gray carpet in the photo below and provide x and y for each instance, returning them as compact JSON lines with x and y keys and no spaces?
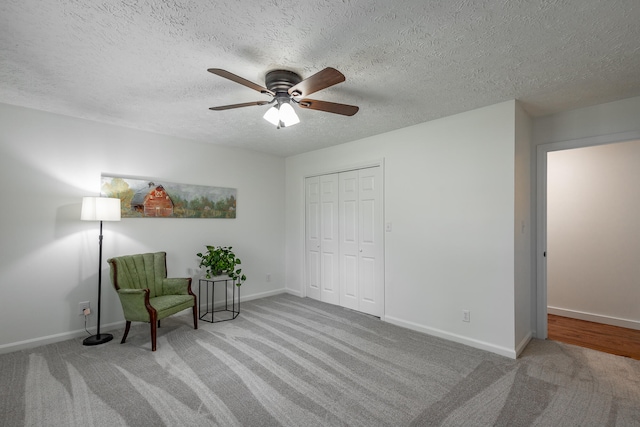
{"x":298,"y":362}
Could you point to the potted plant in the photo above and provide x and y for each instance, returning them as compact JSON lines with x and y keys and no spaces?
{"x":219,"y":260}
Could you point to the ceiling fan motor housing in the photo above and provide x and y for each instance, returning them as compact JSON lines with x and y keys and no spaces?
{"x":279,"y":81}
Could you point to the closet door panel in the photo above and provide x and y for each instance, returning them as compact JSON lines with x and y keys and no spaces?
{"x":349,"y":258}
{"x":367,"y":269}
{"x":371,"y":243}
{"x":312,"y":237}
{"x":330,"y":243}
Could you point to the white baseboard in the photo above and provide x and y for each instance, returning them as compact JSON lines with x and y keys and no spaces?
{"x":264,"y":294}
{"x":294,"y":292}
{"x":597,"y":318}
{"x":502,"y":351}
{"x":244,"y":298}
{"x":50,"y":339}
{"x":521,"y":346}
{"x":80,"y":333}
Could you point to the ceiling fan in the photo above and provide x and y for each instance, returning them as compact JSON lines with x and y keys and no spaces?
{"x":287,"y":88}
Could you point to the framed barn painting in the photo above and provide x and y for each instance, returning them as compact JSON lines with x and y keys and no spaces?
{"x":152,"y":198}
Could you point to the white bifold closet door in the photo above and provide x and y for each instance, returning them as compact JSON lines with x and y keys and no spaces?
{"x":322,"y":244}
{"x":344,"y":240}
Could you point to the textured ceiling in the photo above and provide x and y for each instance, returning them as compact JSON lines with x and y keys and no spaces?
{"x":143,"y":63}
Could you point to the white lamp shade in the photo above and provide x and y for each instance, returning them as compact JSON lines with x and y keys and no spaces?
{"x":100,"y":209}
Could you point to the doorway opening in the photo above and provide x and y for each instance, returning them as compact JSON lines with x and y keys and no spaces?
{"x":588,"y":235}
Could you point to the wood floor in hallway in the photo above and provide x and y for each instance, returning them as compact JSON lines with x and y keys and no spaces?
{"x":606,"y":338}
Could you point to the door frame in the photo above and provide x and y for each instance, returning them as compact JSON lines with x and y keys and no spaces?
{"x":541,"y":212}
{"x":351,"y":167}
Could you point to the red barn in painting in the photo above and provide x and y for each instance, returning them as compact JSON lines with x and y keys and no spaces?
{"x":153,"y":201}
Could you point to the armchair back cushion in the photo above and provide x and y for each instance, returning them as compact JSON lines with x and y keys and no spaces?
{"x":140,"y":271}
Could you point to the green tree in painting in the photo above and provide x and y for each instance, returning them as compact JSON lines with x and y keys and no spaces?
{"x":221,"y":206}
{"x":119,"y":188}
{"x":179,"y":206}
{"x":196,"y":206}
{"x":230,"y":207}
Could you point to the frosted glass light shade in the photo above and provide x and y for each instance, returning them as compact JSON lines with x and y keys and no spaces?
{"x":272,"y":116}
{"x":284,"y":115}
{"x":288,"y":116}
{"x":100,"y":209}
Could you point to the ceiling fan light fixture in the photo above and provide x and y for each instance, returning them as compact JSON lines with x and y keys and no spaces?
{"x":281,"y":115}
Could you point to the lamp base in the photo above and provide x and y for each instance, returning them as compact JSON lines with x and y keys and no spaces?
{"x":97,"y":339}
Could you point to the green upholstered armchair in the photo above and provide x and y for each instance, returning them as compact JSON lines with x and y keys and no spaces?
{"x":145,"y":292}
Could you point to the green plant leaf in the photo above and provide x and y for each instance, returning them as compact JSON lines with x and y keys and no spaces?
{"x":221,"y":259}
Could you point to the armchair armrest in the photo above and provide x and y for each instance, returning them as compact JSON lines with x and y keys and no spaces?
{"x":135,"y":304}
{"x":176,"y":286}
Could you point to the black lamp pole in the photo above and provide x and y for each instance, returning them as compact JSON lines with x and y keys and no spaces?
{"x":99,"y":338}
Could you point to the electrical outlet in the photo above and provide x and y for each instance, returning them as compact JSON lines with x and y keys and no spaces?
{"x":82,"y":306}
{"x":466,"y":316}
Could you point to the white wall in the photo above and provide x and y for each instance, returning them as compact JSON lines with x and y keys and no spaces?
{"x":48,"y":257}
{"x":593,"y":228}
{"x":450,"y":196}
{"x":598,"y":120}
{"x":599,"y":124}
{"x":524,"y":285}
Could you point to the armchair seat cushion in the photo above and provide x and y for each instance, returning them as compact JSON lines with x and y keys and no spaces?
{"x":166,"y":305}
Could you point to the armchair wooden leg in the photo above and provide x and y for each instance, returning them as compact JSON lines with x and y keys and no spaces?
{"x":154,"y":323}
{"x":153,"y":336}
{"x":158,"y":323}
{"x":126,"y":332}
{"x":195,"y":317}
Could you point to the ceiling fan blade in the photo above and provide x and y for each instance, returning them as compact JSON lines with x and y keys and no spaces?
{"x":227,"y":75}
{"x":244,"y":104}
{"x":329,"y":107}
{"x":320,"y":80}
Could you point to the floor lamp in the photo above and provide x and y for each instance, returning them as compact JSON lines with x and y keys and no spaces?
{"x":99,"y":209}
